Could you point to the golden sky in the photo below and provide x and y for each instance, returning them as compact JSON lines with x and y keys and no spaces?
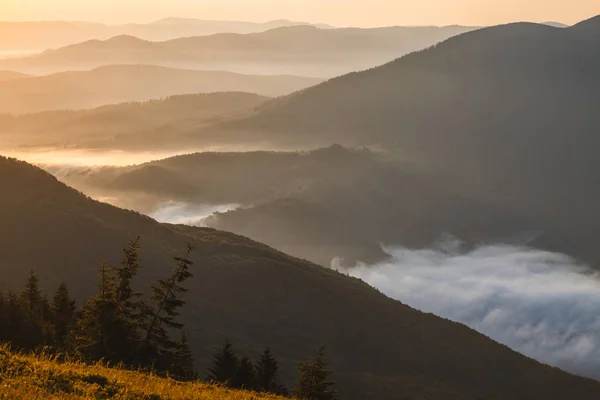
{"x":336,"y":12}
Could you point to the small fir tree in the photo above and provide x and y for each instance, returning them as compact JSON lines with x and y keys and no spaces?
{"x":63,"y":316}
{"x":267,"y":371}
{"x":183,"y":366}
{"x":314,"y":383}
{"x":224,"y":365}
{"x":245,"y":375}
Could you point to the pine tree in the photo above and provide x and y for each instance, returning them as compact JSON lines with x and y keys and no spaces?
{"x":159,"y":348}
{"x":5,"y":327}
{"x":63,"y":316}
{"x":125,"y":273}
{"x":267,"y":370}
{"x":224,"y":366}
{"x":245,"y":377}
{"x":94,"y":335}
{"x":16,"y":316}
{"x":37,"y":324}
{"x":183,"y":365}
{"x":129,"y":315}
{"x":314,"y":383}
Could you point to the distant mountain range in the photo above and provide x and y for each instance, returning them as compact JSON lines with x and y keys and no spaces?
{"x":53,"y":34}
{"x":10,"y":75}
{"x":132,"y":125}
{"x":121,"y":83}
{"x":256,"y":296}
{"x":298,"y":50}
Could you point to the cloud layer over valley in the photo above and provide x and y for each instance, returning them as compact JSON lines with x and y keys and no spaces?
{"x":175,"y":212}
{"x":542,"y":304}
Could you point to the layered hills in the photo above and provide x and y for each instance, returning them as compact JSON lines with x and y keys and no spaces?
{"x":10,"y":75}
{"x":54,"y":34}
{"x":298,"y":50}
{"x":505,"y":116}
{"x":132,"y":125}
{"x":322,"y":204}
{"x":122,"y":83}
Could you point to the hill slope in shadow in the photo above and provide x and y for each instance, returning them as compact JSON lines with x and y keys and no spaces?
{"x":257,"y":296}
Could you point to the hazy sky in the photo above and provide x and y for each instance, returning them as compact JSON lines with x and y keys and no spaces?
{"x":337,"y":12}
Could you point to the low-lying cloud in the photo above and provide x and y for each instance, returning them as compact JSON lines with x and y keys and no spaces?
{"x":175,"y":212}
{"x":542,"y":304}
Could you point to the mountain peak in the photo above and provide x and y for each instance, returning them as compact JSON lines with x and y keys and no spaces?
{"x":125,"y":40}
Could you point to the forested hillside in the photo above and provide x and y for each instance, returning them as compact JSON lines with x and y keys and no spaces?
{"x":256,"y":296}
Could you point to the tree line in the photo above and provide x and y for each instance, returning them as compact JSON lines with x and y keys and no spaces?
{"x":119,"y":325}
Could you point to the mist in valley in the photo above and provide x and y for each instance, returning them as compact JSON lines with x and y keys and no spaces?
{"x":542,"y":304}
{"x":174,"y":212}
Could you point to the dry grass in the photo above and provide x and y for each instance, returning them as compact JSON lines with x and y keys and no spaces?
{"x":42,"y":377}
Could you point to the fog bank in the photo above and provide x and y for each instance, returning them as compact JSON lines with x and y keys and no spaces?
{"x":175,"y":212}
{"x":542,"y":304}
{"x":87,"y":157}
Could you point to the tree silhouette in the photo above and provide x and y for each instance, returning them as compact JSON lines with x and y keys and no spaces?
{"x":159,"y":348}
{"x":224,"y":365}
{"x":125,"y":273}
{"x":314,"y":383}
{"x":94,"y":335}
{"x":36,"y":327}
{"x":63,"y":316}
{"x":183,"y":364}
{"x":267,"y":371}
{"x":129,"y":315}
{"x":245,"y":375}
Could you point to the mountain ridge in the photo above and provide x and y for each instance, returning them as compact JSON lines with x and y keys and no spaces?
{"x":326,"y":52}
{"x":104,"y":85}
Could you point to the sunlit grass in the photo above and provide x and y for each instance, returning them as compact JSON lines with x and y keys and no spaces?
{"x":42,"y":377}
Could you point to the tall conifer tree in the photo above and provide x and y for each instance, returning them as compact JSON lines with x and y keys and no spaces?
{"x":36,"y":327}
{"x":63,"y":316}
{"x":94,"y":335}
{"x":159,"y":348}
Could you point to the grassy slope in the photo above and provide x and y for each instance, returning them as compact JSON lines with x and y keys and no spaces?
{"x":37,"y":378}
